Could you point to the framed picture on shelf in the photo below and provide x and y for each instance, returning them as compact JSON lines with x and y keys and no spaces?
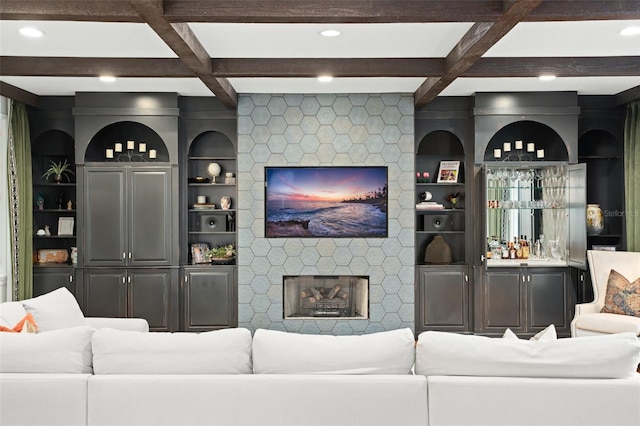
{"x":65,"y":226}
{"x":198,"y":253}
{"x":448,"y":172}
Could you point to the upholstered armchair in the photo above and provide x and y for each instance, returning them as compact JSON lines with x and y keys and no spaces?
{"x":588,"y":319}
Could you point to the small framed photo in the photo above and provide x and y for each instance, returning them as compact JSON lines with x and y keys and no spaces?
{"x":603,"y":247}
{"x":65,"y":226}
{"x":198,"y":253}
{"x":449,"y":172}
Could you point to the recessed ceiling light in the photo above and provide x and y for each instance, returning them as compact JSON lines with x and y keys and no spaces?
{"x":107,"y":78}
{"x":330,"y":33}
{"x":547,"y":77}
{"x":630,"y":31}
{"x":325,"y":78}
{"x":31,"y":32}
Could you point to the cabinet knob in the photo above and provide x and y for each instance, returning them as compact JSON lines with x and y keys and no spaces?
{"x":466,"y":277}
{"x":129,"y":255}
{"x":124,"y":255}
{"x":70,"y":278}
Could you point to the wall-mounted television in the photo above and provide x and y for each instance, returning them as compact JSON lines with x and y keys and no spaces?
{"x":331,"y":202}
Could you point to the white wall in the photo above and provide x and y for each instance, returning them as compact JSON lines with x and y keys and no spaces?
{"x":5,"y":253}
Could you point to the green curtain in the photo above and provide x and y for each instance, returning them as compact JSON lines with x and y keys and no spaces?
{"x":21,"y":201}
{"x":632,"y":174}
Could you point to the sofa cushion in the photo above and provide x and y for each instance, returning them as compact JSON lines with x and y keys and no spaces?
{"x":549,"y":333}
{"x":622,"y":297}
{"x":388,"y":352}
{"x":449,"y":354}
{"x":26,"y":325}
{"x":225,"y":351}
{"x":55,"y":310}
{"x":11,"y":313}
{"x":608,"y":323}
{"x":59,"y":351}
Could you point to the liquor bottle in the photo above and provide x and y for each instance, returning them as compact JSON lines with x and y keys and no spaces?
{"x":512,"y":251}
{"x":525,"y":248}
{"x":505,"y":251}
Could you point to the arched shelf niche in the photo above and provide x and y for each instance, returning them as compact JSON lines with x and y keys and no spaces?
{"x":212,"y":143}
{"x":436,"y":146}
{"x":597,"y":144}
{"x":121,"y":132}
{"x":527,"y":131}
{"x":54,"y":142}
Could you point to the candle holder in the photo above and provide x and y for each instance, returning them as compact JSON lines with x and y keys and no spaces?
{"x":519,"y":152}
{"x":130,"y":154}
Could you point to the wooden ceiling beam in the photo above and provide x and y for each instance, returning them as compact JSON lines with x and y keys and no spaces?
{"x":337,"y":67}
{"x":596,"y":66}
{"x":585,"y":10}
{"x":313,"y":11}
{"x":186,"y":45}
{"x":93,"y":67}
{"x":69,"y":10}
{"x":312,"y":67}
{"x":478,"y":40}
{"x":17,"y":94}
{"x":332,"y":11}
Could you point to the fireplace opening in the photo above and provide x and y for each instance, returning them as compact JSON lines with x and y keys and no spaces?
{"x":326,"y":296}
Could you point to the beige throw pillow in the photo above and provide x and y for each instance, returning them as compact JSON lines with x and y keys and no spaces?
{"x":623,"y":297}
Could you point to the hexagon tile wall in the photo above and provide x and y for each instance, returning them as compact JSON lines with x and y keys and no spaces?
{"x":326,"y":130}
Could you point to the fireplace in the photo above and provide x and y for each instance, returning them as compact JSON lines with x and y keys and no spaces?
{"x":326,"y":296}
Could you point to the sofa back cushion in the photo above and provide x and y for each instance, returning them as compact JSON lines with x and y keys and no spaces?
{"x":225,"y":351}
{"x":55,"y":310}
{"x":449,"y":354}
{"x":388,"y":352}
{"x":11,"y":313}
{"x":60,"y":351}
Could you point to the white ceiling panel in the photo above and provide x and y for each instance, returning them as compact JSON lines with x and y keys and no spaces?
{"x":75,"y":39}
{"x":68,"y":86}
{"x":582,"y":85}
{"x":304,"y":40}
{"x":584,"y":38}
{"x":338,"y":85}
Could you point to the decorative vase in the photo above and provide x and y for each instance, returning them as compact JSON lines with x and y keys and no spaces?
{"x":595,"y":219}
{"x":438,"y":251}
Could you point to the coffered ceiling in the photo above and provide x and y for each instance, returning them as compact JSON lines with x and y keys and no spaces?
{"x":224,"y":47}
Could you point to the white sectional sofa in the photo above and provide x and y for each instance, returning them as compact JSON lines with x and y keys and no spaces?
{"x":86,"y":374}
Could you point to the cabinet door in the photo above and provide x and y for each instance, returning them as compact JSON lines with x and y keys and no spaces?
{"x":105,"y":293}
{"x":47,"y":280}
{"x":443,"y":299}
{"x":105,"y":233}
{"x":151,"y":297}
{"x":150,"y":209}
{"x":209,"y":299}
{"x":503,"y":300}
{"x":547,"y":299}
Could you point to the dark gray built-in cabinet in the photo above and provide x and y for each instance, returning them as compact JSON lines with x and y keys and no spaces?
{"x":208,"y":134}
{"x":52,"y":140}
{"x":128,"y":187}
{"x":127,"y":216}
{"x":443,"y":292}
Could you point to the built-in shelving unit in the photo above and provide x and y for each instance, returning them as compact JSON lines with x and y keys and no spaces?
{"x":601,"y":152}
{"x":209,"y":223}
{"x":53,"y":201}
